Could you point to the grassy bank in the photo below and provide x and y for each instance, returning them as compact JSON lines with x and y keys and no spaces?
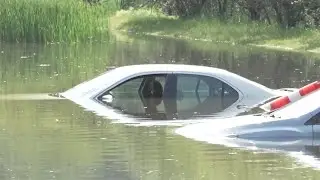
{"x":154,"y":23}
{"x":50,"y":21}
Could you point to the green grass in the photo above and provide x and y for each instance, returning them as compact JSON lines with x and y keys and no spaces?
{"x":147,"y":22}
{"x":50,"y":21}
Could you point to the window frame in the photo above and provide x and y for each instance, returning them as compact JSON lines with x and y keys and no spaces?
{"x":205,"y":75}
{"x":197,"y":89}
{"x":120,"y":83}
{"x":128,"y":80}
{"x":125,"y":80}
{"x":194,"y":89}
{"x":167,"y":73}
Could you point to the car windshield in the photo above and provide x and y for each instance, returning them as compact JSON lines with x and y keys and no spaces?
{"x":300,"y":107}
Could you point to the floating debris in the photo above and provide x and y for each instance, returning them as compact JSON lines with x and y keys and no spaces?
{"x":44,"y":65}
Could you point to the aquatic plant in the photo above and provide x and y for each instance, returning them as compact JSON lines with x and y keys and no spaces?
{"x":51,"y":21}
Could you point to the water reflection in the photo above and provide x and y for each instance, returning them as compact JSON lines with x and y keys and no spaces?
{"x":304,"y":151}
{"x":57,"y":140}
{"x":271,"y":68}
{"x":67,"y":65}
{"x":28,"y":97}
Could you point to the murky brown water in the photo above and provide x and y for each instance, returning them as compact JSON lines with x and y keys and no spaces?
{"x":55,"y":139}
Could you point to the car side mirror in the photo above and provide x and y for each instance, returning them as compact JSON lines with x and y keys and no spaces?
{"x":108,"y":98}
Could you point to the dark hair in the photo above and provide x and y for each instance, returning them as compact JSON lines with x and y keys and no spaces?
{"x":157,"y":91}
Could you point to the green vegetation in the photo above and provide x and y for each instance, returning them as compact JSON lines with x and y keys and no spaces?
{"x":52,"y":20}
{"x":286,"y":13}
{"x":279,"y":24}
{"x":274,"y":24}
{"x":153,"y":22}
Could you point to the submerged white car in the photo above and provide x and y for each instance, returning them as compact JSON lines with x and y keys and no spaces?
{"x":284,"y":128}
{"x":169,"y":91}
{"x":293,"y":130}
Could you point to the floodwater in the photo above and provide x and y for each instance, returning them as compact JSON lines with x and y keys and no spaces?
{"x":43,"y":137}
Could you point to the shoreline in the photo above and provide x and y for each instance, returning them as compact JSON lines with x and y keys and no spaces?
{"x":135,"y":22}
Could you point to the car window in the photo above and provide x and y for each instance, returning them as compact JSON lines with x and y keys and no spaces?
{"x":128,"y":97}
{"x":203,"y":90}
{"x":184,"y":94}
{"x":203,"y":94}
{"x":315,"y":120}
{"x":128,"y":89}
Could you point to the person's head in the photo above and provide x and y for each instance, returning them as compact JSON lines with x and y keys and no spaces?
{"x":157,"y":92}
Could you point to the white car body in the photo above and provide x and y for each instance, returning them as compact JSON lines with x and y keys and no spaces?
{"x":286,"y":127}
{"x":293,"y":130}
{"x":86,"y":93}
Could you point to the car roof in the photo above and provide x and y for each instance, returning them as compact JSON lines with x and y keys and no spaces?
{"x":174,"y":67}
{"x":134,"y":69}
{"x":227,"y":76}
{"x":306,"y":105}
{"x":118,"y":74}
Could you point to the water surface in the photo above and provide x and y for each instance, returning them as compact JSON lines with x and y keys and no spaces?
{"x":55,"y":139}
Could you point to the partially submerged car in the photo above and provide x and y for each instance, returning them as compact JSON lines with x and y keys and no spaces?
{"x":169,"y":91}
{"x":285,"y":127}
{"x":293,"y":129}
